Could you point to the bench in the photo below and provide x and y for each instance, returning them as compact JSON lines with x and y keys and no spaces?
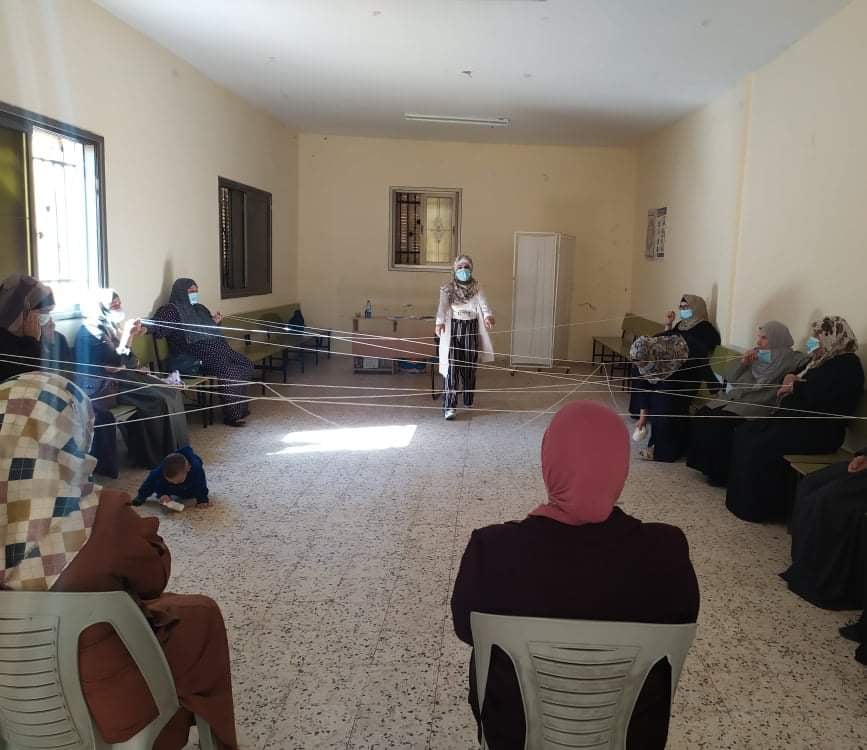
{"x":198,"y":389}
{"x":294,"y":342}
{"x":614,"y":350}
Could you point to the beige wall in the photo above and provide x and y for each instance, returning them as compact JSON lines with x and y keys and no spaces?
{"x":344,"y":223}
{"x":694,"y":169}
{"x":766,"y":189}
{"x":169,"y":133}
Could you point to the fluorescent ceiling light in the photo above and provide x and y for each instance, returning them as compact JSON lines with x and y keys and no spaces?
{"x":490,"y":122}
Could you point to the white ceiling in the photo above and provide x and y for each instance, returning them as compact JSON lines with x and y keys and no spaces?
{"x":588,"y":72}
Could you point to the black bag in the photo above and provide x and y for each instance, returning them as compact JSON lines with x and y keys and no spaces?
{"x":296,"y":322}
{"x":185,"y":364}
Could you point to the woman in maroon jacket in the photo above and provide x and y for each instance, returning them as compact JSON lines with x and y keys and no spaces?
{"x":576,"y":557}
{"x":61,"y":532}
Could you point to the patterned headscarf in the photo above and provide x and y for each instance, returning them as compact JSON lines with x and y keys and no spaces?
{"x":192,"y":315}
{"x":48,"y":503}
{"x":585,"y":460}
{"x":18,"y":296}
{"x":662,"y":355}
{"x":459,"y":292}
{"x":699,"y":312}
{"x":836,"y":337}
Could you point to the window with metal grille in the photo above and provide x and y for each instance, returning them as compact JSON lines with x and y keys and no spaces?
{"x":52,"y":205}
{"x":245,"y":240}
{"x":425,"y":228}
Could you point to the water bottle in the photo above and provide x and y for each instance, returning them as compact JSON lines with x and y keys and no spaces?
{"x":368,"y":310}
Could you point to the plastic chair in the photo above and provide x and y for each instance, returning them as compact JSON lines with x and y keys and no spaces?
{"x":41,"y":701}
{"x":579,"y":678}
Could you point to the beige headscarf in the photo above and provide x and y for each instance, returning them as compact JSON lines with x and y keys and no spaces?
{"x":699,"y":312}
{"x":836,"y":337}
{"x":459,"y":292}
{"x":48,"y":503}
{"x":18,"y":296}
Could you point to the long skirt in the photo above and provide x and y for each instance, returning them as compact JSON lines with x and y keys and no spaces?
{"x":221,"y":361}
{"x":758,"y":476}
{"x":151,"y":440}
{"x":104,"y":445}
{"x":829,"y":561}
{"x":710,"y":443}
{"x":667,"y":403}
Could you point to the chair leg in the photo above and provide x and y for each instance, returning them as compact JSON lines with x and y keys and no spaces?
{"x":285,"y":365}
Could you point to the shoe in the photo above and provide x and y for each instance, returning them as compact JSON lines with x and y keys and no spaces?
{"x":449,"y":414}
{"x":639,"y":434}
{"x":137,"y":501}
{"x":646,"y":454}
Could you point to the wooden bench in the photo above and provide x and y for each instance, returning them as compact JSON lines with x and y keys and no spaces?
{"x":198,"y":390}
{"x":295,"y":342}
{"x":613,"y":351}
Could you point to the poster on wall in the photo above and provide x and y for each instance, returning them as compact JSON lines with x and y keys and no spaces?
{"x":654,"y":246}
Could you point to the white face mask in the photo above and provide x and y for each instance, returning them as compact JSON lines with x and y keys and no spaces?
{"x":116,"y":316}
{"x":44,"y":319}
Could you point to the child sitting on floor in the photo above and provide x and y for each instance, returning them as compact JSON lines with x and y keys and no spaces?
{"x":179,"y":476}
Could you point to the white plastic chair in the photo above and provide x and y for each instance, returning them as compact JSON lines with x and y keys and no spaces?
{"x":579,"y":679}
{"x":41,"y":701}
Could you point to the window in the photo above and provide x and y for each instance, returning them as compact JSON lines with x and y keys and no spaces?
{"x":425,"y":228}
{"x":245,"y":240}
{"x":52,"y":204}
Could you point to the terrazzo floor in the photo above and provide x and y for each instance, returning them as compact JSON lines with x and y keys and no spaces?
{"x":332,"y":549}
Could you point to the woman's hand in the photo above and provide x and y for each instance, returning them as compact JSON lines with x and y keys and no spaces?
{"x":30,"y":326}
{"x":439,"y":329}
{"x":750,"y":355}
{"x":859,"y":463}
{"x":788,"y":385}
{"x":490,"y":322}
{"x":670,"y":317}
{"x":217,"y":317}
{"x":137,"y":330}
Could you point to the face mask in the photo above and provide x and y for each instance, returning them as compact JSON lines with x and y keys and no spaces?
{"x":463,"y":274}
{"x":685,"y":314}
{"x":194,"y":298}
{"x":812,"y":344}
{"x":764,"y":356}
{"x":116,"y":316}
{"x":44,"y":319}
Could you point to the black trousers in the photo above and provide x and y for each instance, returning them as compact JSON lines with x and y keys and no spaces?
{"x":463,"y":355}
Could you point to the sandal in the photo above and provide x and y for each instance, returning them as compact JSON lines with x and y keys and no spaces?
{"x":646,"y":454}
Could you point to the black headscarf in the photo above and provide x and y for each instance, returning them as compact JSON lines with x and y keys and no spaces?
{"x":192,"y":315}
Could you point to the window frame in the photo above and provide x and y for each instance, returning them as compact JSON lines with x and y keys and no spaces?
{"x":225,"y":182}
{"x":437,"y":192}
{"x":25,"y":120}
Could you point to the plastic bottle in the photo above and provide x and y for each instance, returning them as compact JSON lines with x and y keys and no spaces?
{"x":368,"y":310}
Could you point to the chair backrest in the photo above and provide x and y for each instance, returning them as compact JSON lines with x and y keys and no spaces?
{"x":161,"y":351}
{"x":579,"y":678}
{"x":41,"y":701}
{"x":143,"y":348}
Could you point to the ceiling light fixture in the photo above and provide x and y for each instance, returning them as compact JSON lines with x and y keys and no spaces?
{"x":490,"y":122}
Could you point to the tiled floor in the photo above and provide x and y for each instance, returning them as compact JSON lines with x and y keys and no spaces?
{"x":333,"y":559}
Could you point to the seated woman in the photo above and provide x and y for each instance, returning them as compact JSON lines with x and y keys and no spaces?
{"x":692,"y":324}
{"x":661,"y":397}
{"x":29,"y":337}
{"x":190,"y":332}
{"x":828,"y":558}
{"x":753,"y":382}
{"x":830,"y":384}
{"x":577,"y":557}
{"x":105,"y":546}
{"x":25,"y":307}
{"x":107,"y":367}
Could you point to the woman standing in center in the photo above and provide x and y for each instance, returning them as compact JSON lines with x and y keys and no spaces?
{"x":462,"y":304}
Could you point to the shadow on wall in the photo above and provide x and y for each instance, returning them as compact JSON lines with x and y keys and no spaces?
{"x":712,"y":303}
{"x":165,"y":291}
{"x":780,"y":300}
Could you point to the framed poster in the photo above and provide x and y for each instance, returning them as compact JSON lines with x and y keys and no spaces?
{"x":654,"y":245}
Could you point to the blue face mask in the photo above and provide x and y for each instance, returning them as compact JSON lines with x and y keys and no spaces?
{"x":463,"y":274}
{"x":685,"y":314}
{"x":764,"y":356}
{"x":194,"y":298}
{"x":44,"y":319}
{"x":812,"y":344}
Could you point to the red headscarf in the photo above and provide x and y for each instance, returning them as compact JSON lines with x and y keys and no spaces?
{"x":585,"y":461}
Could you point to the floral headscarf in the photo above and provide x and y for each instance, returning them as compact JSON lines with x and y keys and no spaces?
{"x":459,"y":292}
{"x":836,"y":337}
{"x":662,"y":356}
{"x":48,"y":502}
